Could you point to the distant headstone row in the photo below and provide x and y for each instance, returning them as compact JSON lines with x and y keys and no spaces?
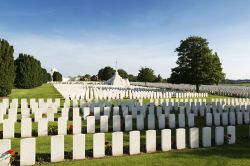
{"x":224,"y":90}
{"x":82,"y":91}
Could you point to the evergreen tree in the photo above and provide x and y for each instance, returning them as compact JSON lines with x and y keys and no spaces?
{"x":146,"y":75}
{"x":57,"y":76}
{"x":122,"y":73}
{"x":29,"y":73}
{"x":7,"y":68}
{"x":106,"y":73}
{"x":49,"y":78}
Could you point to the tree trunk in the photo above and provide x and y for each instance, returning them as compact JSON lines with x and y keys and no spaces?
{"x":197,"y":88}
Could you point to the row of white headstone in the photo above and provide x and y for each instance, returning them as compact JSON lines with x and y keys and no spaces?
{"x":222,"y":90}
{"x":28,"y":145}
{"x":211,"y":119}
{"x":194,"y":105}
{"x":134,"y":110}
{"x":77,"y":91}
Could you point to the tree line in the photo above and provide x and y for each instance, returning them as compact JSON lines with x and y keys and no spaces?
{"x":197,"y":64}
{"x":145,"y":75}
{"x":23,"y":72}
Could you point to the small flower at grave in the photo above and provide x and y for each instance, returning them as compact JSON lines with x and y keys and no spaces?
{"x":70,"y":129}
{"x":10,"y":151}
{"x":13,"y":155}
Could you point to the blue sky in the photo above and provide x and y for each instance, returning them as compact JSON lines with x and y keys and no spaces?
{"x":82,"y":36}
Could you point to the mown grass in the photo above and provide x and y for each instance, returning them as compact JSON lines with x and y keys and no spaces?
{"x":44,"y":91}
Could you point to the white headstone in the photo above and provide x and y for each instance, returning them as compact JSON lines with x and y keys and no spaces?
{"x":166,"y":140}
{"x":171,"y":122}
{"x":97,"y":113}
{"x":217,"y":119}
{"x":98,"y":145}
{"x":239,"y":118}
{"x":151,"y":122}
{"x":77,"y":125}
{"x":232,"y":118}
{"x":104,"y":127}
{"x":231,"y":134}
{"x":246,"y":117}
{"x":150,"y":141}
{"x":8,"y":128}
{"x":140,"y":122}
{"x":194,"y":138}
{"x":57,"y":148}
{"x":128,"y":123}
{"x":62,"y":126}
{"x":38,"y":115}
{"x":76,"y":112}
{"x":50,"y":116}
{"x":115,"y":110}
{"x":191,"y":120}
{"x":180,"y":138}
{"x":134,"y":142}
{"x":181,"y":120}
{"x":161,"y":121}
{"x":78,"y":146}
{"x":219,"y":135}
{"x":117,"y":143}
{"x":116,"y":123}
{"x":28,"y":151}
{"x":91,"y":124}
{"x":26,"y":127}
{"x":209,"y":119}
{"x":43,"y":127}
{"x":206,"y":137}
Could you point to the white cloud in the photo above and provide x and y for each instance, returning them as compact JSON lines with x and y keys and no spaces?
{"x":86,"y":55}
{"x":80,"y":57}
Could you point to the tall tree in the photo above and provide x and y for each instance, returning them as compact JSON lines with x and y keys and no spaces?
{"x":49,"y":78}
{"x":158,"y":79}
{"x":146,"y":75}
{"x":7,"y":68}
{"x":106,"y":73}
{"x":86,"y":77}
{"x":196,"y":63}
{"x":122,"y":73}
{"x":132,"y":78}
{"x":45,"y":75}
{"x":29,"y":73}
{"x":57,"y":76}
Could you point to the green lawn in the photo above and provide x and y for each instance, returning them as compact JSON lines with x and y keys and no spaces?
{"x":233,"y":155}
{"x":238,"y":154}
{"x":44,"y":91}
